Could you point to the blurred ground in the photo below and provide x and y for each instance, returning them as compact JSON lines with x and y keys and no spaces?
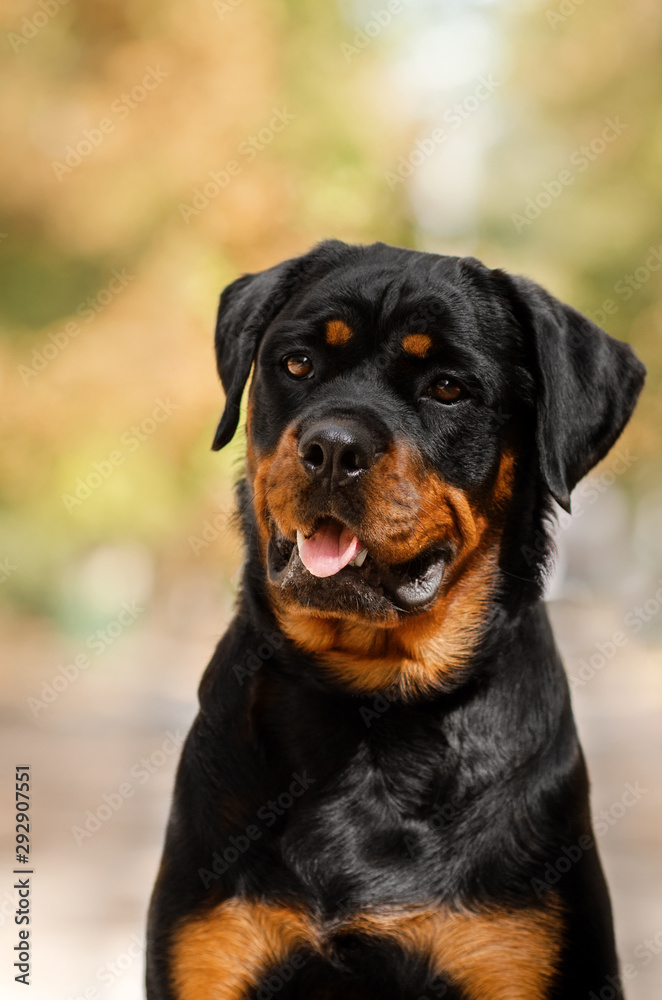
{"x":117,"y":725}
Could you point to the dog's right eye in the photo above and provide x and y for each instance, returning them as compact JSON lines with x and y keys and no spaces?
{"x":298,"y":366}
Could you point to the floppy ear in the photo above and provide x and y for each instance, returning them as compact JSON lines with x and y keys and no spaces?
{"x":246,"y":309}
{"x":587,"y":387}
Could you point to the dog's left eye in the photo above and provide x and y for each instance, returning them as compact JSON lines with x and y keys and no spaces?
{"x":298,"y":366}
{"x":445,"y":390}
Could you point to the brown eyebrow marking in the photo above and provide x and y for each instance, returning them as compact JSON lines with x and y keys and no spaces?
{"x":338,"y":333}
{"x":419,"y":344}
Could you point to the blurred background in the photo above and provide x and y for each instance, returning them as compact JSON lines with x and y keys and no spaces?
{"x":152,"y":152}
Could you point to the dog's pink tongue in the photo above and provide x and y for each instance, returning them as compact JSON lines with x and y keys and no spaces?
{"x":329,"y":549}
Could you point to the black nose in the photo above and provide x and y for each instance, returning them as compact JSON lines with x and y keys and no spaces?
{"x":337,"y":450}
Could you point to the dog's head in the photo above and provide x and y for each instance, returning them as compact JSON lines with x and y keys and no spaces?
{"x":407,"y":412}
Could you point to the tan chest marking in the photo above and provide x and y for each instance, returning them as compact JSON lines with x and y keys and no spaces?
{"x":223,"y":954}
{"x":491,"y":955}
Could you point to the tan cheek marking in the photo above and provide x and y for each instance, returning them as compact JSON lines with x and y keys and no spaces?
{"x":338,"y":333}
{"x":222,"y":955}
{"x":418,"y":344}
{"x":498,"y":954}
{"x":502,"y":493}
{"x":275,"y":480}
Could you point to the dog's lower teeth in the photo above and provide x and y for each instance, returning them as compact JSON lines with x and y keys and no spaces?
{"x":360,"y":559}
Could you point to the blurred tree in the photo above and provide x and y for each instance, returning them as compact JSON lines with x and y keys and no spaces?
{"x":573,"y":183}
{"x":152,"y":152}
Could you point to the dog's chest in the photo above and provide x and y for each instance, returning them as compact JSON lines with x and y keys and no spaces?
{"x":382,"y":820}
{"x":368,"y":836}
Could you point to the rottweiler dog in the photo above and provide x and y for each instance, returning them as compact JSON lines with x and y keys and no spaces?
{"x":383,"y":796}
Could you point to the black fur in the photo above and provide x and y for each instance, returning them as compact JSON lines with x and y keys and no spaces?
{"x":469,"y":796}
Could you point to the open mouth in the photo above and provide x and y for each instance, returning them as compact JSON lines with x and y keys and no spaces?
{"x":332,"y":570}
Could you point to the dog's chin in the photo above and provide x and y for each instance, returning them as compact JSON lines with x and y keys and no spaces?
{"x":370,"y":592}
